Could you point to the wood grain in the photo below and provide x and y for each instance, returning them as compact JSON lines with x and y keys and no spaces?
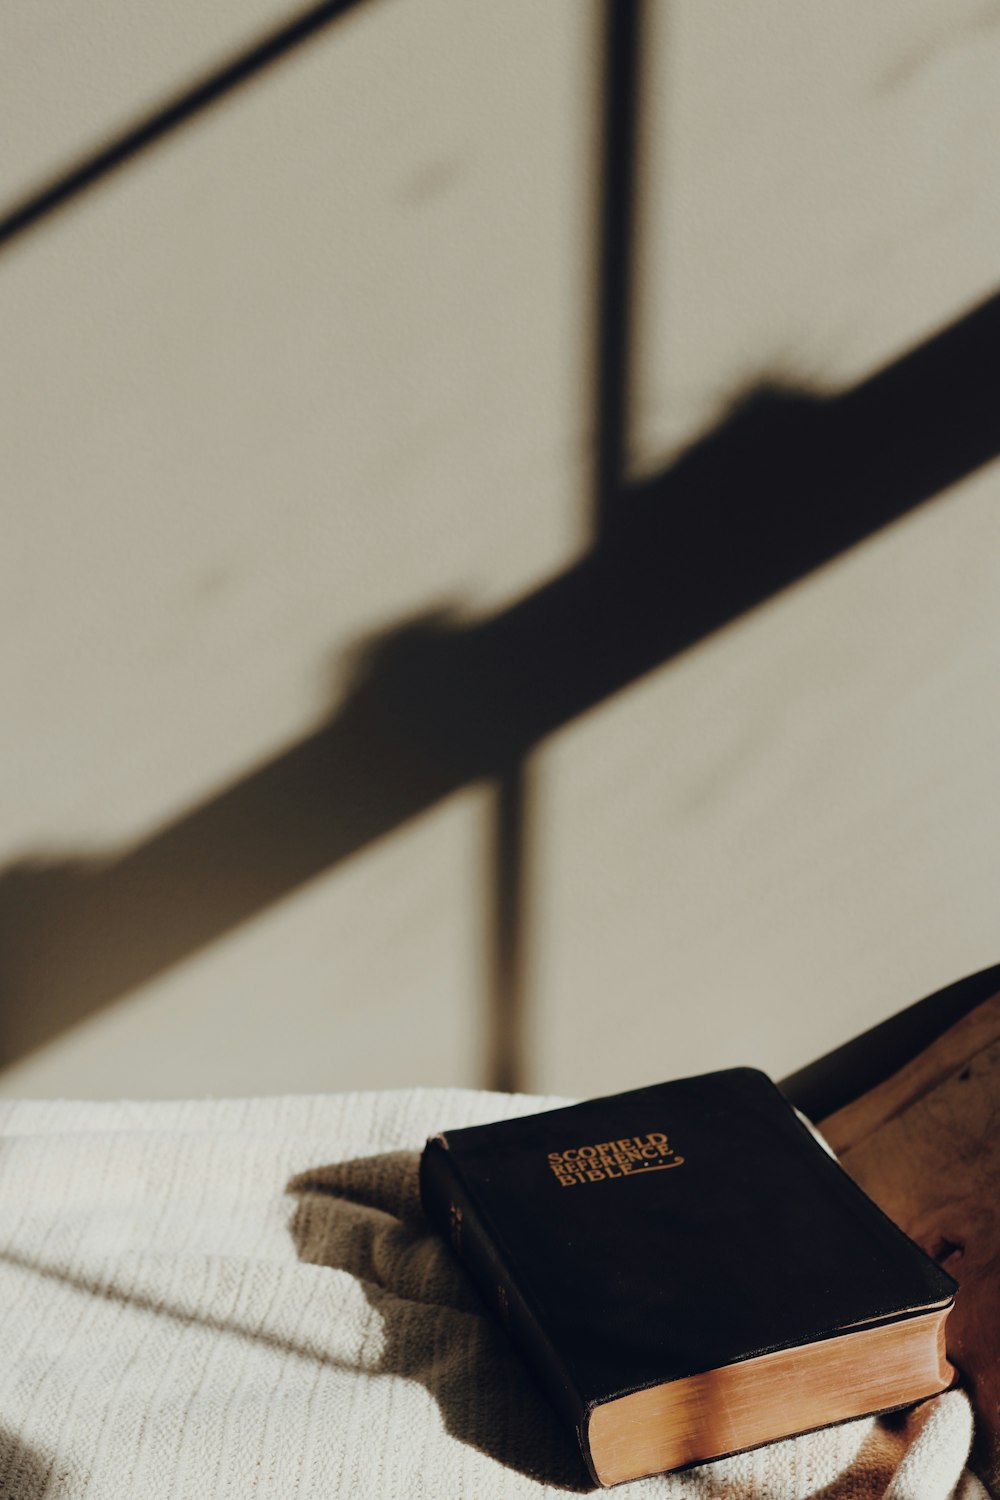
{"x":925,"y":1145}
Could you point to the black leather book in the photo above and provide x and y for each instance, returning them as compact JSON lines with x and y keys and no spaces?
{"x":687,"y":1271}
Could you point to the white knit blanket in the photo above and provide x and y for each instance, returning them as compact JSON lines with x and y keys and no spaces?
{"x":241,"y":1299}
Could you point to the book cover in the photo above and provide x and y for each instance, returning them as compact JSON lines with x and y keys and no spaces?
{"x":642,"y":1248}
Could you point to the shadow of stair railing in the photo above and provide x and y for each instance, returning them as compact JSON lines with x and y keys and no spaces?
{"x":787,"y":483}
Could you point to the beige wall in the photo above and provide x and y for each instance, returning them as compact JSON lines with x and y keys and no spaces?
{"x":319,"y":362}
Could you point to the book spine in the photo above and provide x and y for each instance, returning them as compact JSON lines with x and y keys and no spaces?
{"x":451,"y":1207}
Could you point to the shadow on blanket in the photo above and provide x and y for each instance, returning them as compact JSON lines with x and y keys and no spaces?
{"x":364,"y":1217}
{"x":24,"y":1475}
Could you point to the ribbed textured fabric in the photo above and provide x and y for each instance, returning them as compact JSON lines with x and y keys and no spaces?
{"x":235,"y":1299}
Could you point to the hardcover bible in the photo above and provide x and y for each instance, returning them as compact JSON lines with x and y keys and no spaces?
{"x":688,"y":1272}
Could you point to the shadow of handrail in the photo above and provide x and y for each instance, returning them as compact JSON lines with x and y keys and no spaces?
{"x":74,"y":180}
{"x":787,"y":483}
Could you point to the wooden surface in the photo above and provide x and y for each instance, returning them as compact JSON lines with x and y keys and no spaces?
{"x":925,"y":1145}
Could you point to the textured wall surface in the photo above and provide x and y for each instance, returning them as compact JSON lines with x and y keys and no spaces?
{"x":297,"y":404}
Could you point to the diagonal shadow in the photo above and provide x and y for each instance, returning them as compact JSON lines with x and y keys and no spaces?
{"x":788,"y":482}
{"x":69,"y":184}
{"x":100,"y":1286}
{"x":437,"y":1334}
